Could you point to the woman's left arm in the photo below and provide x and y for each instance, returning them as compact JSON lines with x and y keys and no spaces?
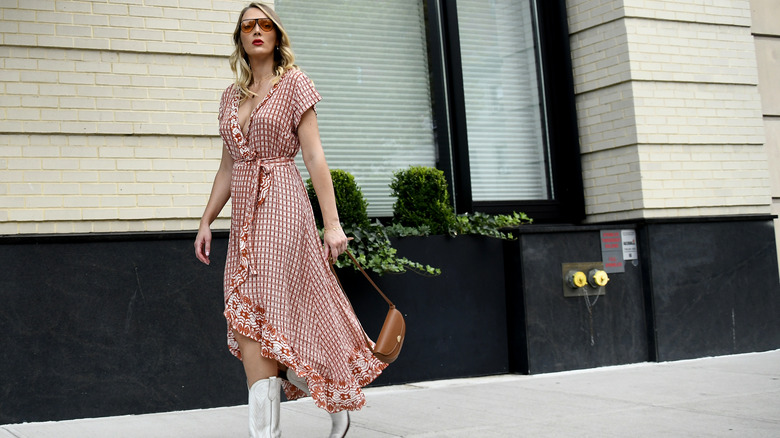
{"x":314,"y":159}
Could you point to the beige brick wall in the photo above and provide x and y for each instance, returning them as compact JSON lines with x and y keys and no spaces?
{"x":109,"y":113}
{"x":673,"y":87}
{"x":109,"y":109}
{"x":766,"y":32}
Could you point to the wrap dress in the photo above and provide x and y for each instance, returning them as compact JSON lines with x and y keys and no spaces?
{"x":279,"y":290}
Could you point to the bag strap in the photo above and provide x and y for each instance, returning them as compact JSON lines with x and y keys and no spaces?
{"x":354,"y":260}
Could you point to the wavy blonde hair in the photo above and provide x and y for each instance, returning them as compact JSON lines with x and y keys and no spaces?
{"x":284,"y":58}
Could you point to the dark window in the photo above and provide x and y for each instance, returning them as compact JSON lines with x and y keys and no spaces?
{"x":503,"y":104}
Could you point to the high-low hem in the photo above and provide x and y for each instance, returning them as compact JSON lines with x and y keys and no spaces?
{"x":364,"y":366}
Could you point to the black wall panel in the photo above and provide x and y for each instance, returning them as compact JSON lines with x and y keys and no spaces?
{"x":125,"y":324}
{"x":713,"y":286}
{"x":550,"y":332}
{"x":106,"y":327}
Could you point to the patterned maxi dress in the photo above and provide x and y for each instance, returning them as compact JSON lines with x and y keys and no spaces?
{"x":279,"y":290}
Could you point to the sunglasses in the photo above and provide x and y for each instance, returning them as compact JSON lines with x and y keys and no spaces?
{"x":248,"y":25}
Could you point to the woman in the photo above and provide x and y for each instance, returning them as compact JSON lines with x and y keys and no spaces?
{"x":285,"y":312}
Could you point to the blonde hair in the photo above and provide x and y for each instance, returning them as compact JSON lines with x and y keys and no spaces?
{"x":284,"y":59}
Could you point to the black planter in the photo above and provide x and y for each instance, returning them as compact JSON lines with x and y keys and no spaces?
{"x":456,"y":322}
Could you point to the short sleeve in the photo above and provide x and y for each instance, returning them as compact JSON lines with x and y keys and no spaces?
{"x":224,"y":101}
{"x":304,"y":96}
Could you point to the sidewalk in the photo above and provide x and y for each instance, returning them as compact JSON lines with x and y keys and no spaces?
{"x":728,"y":396}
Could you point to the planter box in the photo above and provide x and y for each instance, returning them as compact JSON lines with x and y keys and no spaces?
{"x":456,"y":322}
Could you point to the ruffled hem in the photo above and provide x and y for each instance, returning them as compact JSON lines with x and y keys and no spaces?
{"x":333,"y":396}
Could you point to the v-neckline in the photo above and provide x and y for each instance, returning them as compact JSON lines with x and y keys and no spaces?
{"x":245,"y":135}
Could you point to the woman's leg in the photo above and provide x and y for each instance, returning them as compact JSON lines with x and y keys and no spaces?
{"x":259,"y":368}
{"x":339,"y":421}
{"x":264,"y":389}
{"x":256,"y":366}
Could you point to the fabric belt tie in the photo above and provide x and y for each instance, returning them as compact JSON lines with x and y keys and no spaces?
{"x":261,"y":177}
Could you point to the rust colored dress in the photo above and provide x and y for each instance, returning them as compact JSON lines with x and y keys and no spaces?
{"x":279,"y":290}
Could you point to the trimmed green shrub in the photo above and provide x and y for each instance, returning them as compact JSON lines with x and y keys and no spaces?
{"x":350,"y":202}
{"x":422,"y":199}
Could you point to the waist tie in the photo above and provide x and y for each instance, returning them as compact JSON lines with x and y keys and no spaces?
{"x":261,"y":177}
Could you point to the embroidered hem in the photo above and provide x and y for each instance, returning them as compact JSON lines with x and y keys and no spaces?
{"x":332,"y":396}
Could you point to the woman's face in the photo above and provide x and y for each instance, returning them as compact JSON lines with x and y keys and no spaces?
{"x":257,"y":43}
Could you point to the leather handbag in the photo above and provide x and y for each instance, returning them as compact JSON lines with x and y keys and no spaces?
{"x":391,"y":337}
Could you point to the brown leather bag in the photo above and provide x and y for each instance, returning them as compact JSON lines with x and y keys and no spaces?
{"x":391,"y":337}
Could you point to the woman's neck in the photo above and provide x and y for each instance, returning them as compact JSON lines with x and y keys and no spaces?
{"x":262,"y":69}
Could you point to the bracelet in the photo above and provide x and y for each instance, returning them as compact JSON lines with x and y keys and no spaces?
{"x":336,"y":228}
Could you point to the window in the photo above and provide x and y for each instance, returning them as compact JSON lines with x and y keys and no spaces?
{"x":369,"y":61}
{"x":481,"y":89}
{"x":504,"y":112}
{"x":506,"y":149}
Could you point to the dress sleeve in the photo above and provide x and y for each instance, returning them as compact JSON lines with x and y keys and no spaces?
{"x":304,"y":96}
{"x":223,"y":102}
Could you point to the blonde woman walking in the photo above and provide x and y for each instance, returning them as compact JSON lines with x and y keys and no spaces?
{"x":287,"y":320}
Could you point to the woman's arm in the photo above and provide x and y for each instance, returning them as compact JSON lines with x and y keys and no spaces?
{"x":314,"y":158}
{"x":220,"y":193}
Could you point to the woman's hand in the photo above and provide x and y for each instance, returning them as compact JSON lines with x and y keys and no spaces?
{"x":335,"y":242}
{"x":203,"y":243}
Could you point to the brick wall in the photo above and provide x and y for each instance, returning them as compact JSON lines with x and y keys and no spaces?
{"x":669,"y":109}
{"x":766,"y":35}
{"x":109,"y":112}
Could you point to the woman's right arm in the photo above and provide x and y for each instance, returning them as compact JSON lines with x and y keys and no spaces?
{"x":220,"y":193}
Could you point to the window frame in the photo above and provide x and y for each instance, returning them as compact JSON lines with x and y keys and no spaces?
{"x":561,"y":138}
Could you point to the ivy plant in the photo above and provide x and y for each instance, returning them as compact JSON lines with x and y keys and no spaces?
{"x":488,"y":225}
{"x":422,"y":208}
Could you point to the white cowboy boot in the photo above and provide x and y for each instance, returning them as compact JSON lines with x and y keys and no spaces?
{"x":264,"y":408}
{"x":339,"y":421}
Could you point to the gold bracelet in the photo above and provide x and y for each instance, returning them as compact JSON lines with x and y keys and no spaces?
{"x":336,"y":228}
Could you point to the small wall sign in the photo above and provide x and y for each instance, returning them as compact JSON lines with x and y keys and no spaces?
{"x":612,"y":251}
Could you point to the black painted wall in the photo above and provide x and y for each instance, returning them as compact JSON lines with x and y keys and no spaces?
{"x":111,"y":324}
{"x":96,"y":327}
{"x":549,"y":332}
{"x":713,"y":287}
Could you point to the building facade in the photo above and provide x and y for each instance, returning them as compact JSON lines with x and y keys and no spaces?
{"x":109,"y":107}
{"x":661,"y":117}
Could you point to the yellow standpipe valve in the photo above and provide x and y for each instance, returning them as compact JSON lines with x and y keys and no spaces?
{"x":598,"y":278}
{"x":576,"y":279}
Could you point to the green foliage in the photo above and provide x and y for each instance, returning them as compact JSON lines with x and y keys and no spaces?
{"x":422,"y":209}
{"x":398,"y":230}
{"x":370,"y":244}
{"x":488,"y":225}
{"x":350,"y":202}
{"x":422,"y":199}
{"x":372,"y":248}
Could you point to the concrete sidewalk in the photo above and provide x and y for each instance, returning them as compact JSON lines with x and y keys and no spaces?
{"x":728,"y":396}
